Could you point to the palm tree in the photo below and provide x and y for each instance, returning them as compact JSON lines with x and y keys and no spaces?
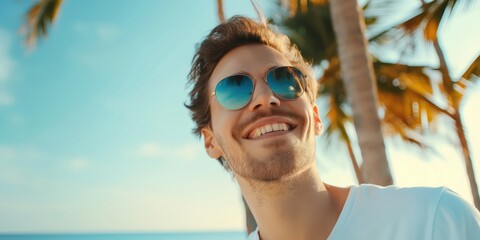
{"x":405,"y":92}
{"x":425,"y":24}
{"x":38,"y":19}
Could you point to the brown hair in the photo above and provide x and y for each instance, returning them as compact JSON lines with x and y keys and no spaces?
{"x":235,"y":32}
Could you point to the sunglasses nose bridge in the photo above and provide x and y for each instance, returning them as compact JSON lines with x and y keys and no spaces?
{"x":262,"y":95}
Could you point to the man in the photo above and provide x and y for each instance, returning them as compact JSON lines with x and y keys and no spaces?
{"x":253,"y":101}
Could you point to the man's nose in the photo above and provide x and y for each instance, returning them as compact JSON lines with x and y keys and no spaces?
{"x":263,"y":97}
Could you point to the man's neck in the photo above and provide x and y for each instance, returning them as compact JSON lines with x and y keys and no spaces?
{"x":299,"y":207}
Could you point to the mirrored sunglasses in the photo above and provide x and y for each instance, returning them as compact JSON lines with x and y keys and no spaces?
{"x":235,"y":92}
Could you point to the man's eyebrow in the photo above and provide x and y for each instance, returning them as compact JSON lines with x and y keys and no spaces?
{"x":242,"y":72}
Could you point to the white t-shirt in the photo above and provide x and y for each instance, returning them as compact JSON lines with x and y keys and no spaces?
{"x":373,"y":212}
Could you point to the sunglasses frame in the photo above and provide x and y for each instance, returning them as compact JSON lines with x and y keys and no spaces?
{"x":253,"y":79}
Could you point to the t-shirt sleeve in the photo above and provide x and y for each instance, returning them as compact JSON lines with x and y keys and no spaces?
{"x":455,"y":218}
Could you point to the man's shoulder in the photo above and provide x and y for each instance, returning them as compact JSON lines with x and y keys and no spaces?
{"x":455,"y":218}
{"x":440,"y":204}
{"x":441,"y":198}
{"x":416,"y":212}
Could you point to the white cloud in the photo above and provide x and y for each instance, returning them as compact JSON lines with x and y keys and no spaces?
{"x":13,"y":160}
{"x":150,"y":150}
{"x":16,"y":119}
{"x":17,"y":153}
{"x":107,"y":32}
{"x":156,"y":150}
{"x":79,"y":163}
{"x":6,"y":99}
{"x":7,"y":153}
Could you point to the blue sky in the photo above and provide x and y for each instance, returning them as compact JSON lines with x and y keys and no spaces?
{"x":94,"y":135}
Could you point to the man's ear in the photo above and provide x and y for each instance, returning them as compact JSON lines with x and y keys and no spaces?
{"x":318,"y":120}
{"x":210,"y":143}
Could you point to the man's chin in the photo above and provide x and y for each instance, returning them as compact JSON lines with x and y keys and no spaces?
{"x":272,"y":168}
{"x":273,"y":161}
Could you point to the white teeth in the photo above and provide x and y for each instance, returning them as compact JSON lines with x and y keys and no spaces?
{"x":269,"y":128}
{"x":258,"y":132}
{"x":274,"y":127}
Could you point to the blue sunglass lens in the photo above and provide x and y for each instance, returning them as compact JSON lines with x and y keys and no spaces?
{"x":234,"y":92}
{"x":286,"y":82}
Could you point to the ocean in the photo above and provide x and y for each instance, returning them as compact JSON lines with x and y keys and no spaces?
{"x":130,"y":236}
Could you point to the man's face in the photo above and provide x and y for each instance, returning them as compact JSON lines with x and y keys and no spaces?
{"x":233,"y":135}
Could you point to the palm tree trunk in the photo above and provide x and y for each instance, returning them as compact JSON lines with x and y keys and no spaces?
{"x":448,"y":84}
{"x":359,"y":81}
{"x":468,"y":159}
{"x":447,"y":80}
{"x":220,"y":13}
{"x":358,"y":173}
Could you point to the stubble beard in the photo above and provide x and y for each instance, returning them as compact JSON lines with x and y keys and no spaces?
{"x":285,"y":159}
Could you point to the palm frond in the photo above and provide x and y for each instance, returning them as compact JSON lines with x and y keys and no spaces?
{"x":310,"y":29}
{"x":467,"y":80}
{"x":38,"y":19}
{"x":473,"y":70}
{"x":423,"y":20}
{"x":404,"y":94}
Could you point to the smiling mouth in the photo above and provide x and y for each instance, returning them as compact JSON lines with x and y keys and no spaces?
{"x":269,"y":128}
